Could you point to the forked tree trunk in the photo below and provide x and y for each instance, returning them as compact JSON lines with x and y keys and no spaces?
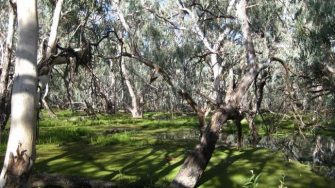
{"x":20,"y":153}
{"x":251,"y":58}
{"x":196,"y":162}
{"x":44,"y":67}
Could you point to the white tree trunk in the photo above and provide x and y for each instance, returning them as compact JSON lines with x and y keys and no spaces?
{"x":136,"y":107}
{"x":247,"y":40}
{"x":44,"y":77}
{"x":217,"y":70}
{"x":20,"y":152}
{"x":53,"y":33}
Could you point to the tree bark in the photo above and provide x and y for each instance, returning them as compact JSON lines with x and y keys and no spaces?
{"x":251,"y":59}
{"x":196,"y":162}
{"x":20,"y":153}
{"x":247,"y":40}
{"x":6,"y":67}
{"x":50,"y":48}
{"x":217,"y":70}
{"x":136,"y":108}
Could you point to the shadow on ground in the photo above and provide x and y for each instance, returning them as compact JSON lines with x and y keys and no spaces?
{"x":156,"y":165}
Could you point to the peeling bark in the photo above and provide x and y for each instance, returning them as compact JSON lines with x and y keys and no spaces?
{"x":20,"y":153}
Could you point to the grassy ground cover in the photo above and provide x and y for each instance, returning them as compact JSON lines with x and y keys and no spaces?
{"x":148,"y":152}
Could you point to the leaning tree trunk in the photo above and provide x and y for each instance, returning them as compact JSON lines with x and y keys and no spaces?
{"x":6,"y":67}
{"x":251,"y":58}
{"x":44,"y":67}
{"x":20,"y":152}
{"x":196,"y":162}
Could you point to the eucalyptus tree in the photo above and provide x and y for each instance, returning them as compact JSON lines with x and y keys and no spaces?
{"x":78,"y":38}
{"x":195,"y":164}
{"x":233,"y":105}
{"x":153,"y":45}
{"x":20,"y":153}
{"x":125,"y":36}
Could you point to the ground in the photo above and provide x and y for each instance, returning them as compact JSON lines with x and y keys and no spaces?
{"x":148,"y":153}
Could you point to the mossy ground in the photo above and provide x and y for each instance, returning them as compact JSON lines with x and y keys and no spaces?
{"x":139,"y":155}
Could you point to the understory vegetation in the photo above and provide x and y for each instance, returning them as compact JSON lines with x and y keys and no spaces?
{"x":148,"y":152}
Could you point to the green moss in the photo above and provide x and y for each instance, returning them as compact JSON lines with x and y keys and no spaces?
{"x":234,"y":169}
{"x":156,"y":165}
{"x":142,"y":156}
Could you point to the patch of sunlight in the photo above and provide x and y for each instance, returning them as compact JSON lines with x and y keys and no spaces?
{"x":239,"y":179}
{"x":125,"y":178}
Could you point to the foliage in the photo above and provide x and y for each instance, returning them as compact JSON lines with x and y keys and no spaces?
{"x":252,"y":182}
{"x":282,"y":183}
